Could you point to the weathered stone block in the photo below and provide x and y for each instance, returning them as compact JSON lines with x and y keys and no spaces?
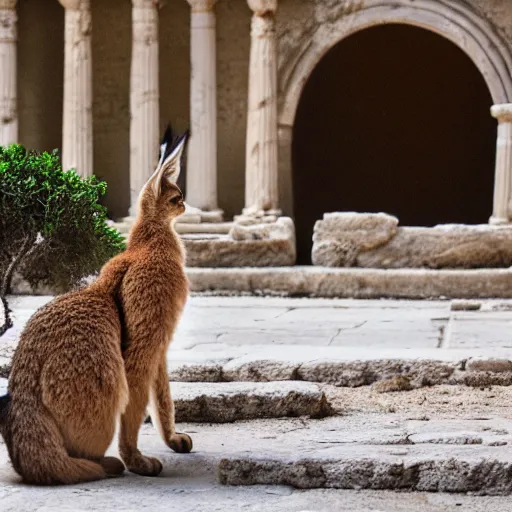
{"x":374,"y":240}
{"x":258,"y":245}
{"x":340,"y":237}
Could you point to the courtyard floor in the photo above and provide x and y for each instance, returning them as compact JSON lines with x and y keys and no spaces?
{"x":417,"y":396}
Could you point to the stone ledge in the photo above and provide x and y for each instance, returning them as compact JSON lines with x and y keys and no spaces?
{"x":338,"y":366}
{"x":357,"y":283}
{"x":361,"y":451}
{"x":371,"y":452}
{"x":345,"y":366}
{"x":231,"y":253}
{"x":228,"y":402}
{"x":302,"y":281}
{"x":342,"y":367}
{"x":455,"y":472}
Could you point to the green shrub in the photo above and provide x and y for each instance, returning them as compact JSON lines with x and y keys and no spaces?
{"x":53,"y":231}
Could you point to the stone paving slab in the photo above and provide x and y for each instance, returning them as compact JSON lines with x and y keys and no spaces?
{"x":232,"y":401}
{"x":195,"y":491}
{"x":471,"y":330}
{"x":354,"y":452}
{"x":348,"y":342}
{"x":357,"y":452}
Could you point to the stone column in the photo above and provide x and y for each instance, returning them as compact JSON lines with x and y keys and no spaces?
{"x":77,"y":111}
{"x":502,"y":208}
{"x":202,"y":153}
{"x":144,"y":97}
{"x":8,"y":72}
{"x":261,"y":171}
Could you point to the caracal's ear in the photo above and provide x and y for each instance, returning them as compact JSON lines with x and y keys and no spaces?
{"x":169,"y":164}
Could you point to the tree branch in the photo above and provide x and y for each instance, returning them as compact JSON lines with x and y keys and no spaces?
{"x":7,"y":278}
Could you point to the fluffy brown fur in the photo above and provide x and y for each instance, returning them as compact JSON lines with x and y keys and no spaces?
{"x":93,"y":355}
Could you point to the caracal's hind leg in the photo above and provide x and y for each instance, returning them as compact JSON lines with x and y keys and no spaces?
{"x":139,"y":374}
{"x":86,"y":401}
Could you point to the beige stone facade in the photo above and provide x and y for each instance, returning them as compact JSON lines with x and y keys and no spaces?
{"x":236,"y":72}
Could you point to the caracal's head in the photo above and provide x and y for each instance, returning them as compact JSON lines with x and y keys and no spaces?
{"x":161,"y":198}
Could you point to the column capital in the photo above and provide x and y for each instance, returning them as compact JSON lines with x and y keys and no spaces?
{"x":202,"y":5}
{"x":75,"y":5}
{"x":503,"y":112}
{"x":8,"y":21}
{"x":263,"y":7}
{"x":8,"y":4}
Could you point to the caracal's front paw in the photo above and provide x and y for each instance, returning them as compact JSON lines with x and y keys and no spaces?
{"x":145,"y":466}
{"x":181,"y":443}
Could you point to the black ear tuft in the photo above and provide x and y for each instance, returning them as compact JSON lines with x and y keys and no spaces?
{"x":168,"y":135}
{"x":169,"y":143}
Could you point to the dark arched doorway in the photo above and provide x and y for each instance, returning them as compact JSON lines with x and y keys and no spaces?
{"x":396,"y":119}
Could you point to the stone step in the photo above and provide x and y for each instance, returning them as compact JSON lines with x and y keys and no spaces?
{"x":340,"y":342}
{"x":221,"y":228}
{"x":275,"y":278}
{"x":233,"y":401}
{"x":184,"y":227}
{"x":358,"y":283}
{"x":203,"y":236}
{"x":338,"y":366}
{"x":343,"y":366}
{"x":364,"y":451}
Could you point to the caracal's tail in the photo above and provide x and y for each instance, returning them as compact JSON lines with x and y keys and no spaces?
{"x":37,"y":450}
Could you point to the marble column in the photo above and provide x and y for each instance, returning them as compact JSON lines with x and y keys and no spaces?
{"x":502,"y":208}
{"x":144,"y":96}
{"x":202,"y":152}
{"x":8,"y":73}
{"x":261,"y":171}
{"x":77,"y":110}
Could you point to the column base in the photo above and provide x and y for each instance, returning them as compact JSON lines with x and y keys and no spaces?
{"x":498,"y":221}
{"x":252,"y":216}
{"x":254,"y":239}
{"x":259,"y":244}
{"x":195,"y":215}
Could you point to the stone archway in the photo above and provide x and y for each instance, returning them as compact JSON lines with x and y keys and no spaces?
{"x":385,"y":126}
{"x":454,"y":22}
